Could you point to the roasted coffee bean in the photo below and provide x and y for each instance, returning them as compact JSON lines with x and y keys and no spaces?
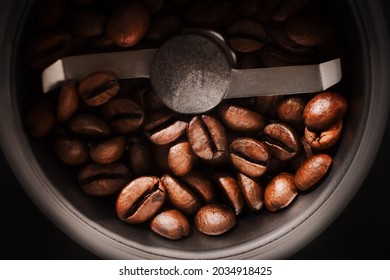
{"x":201,"y":185}
{"x":252,"y":192}
{"x":67,"y":102}
{"x":180,"y":196}
{"x":181,"y":158}
{"x":171,"y":224}
{"x":163,"y":26}
{"x":231,"y":190}
{"x":163,"y":127}
{"x":310,"y":30}
{"x":281,"y":39}
{"x":312,"y":171}
{"x":324,"y":110}
{"x":248,"y":8}
{"x":89,"y":125}
{"x":50,"y":13}
{"x":280,"y":192}
{"x":154,"y":5}
{"x":273,"y":56}
{"x":290,"y":111}
{"x":140,"y":200}
{"x":250,"y":156}
{"x":246,"y":35}
{"x":98,"y":88}
{"x":215,"y":219}
{"x":128,"y":23}
{"x":288,"y":8}
{"x":267,"y":105}
{"x":123,"y":115}
{"x":241,"y":119}
{"x":209,"y":13}
{"x":322,"y":140}
{"x":140,"y":158}
{"x":86,"y":22}
{"x":207,"y":137}
{"x":108,"y":151}
{"x":71,"y":151}
{"x":45,"y":49}
{"x":103,"y":180}
{"x":40,"y":118}
{"x":282,"y":140}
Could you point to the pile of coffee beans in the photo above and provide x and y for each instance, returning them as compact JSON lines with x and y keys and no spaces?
{"x":169,"y":170}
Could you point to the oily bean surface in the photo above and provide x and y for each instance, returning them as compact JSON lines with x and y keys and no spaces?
{"x":215,"y":219}
{"x":280,"y":192}
{"x":171,"y":224}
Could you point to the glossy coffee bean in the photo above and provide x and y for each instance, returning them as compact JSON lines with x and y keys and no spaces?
{"x":324,"y":110}
{"x":89,"y":125}
{"x":108,"y":151}
{"x":207,"y":137}
{"x":215,"y":219}
{"x":280,"y":192}
{"x":86,"y":22}
{"x":312,"y":171}
{"x":231,"y":191}
{"x":40,"y":118}
{"x":310,"y":30}
{"x":128,"y":23}
{"x":67,"y":102}
{"x":246,"y":35}
{"x":290,"y":111}
{"x":180,"y":196}
{"x":163,"y":127}
{"x":103,"y":180}
{"x":140,"y":158}
{"x":249,"y":156}
{"x":181,"y":158}
{"x":209,"y":13}
{"x":267,"y":105}
{"x":322,"y":140}
{"x":248,"y":8}
{"x":201,"y":185}
{"x":163,"y":26}
{"x":71,"y":151}
{"x":288,"y":8}
{"x":171,"y":224}
{"x":280,"y":38}
{"x":140,"y":200}
{"x":282,"y":140}
{"x":98,"y":88}
{"x":123,"y":115}
{"x":241,"y":119}
{"x":252,"y":192}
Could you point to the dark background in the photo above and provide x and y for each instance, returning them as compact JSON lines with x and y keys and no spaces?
{"x":362,"y":231}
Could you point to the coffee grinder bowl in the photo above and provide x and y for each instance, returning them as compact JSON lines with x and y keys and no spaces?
{"x":94,"y":225}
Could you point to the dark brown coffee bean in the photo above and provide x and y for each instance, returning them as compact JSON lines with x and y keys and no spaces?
{"x":249,"y":156}
{"x":49,"y":13}
{"x":140,"y":200}
{"x":248,"y":8}
{"x":40,"y":118}
{"x":267,"y":105}
{"x":252,"y":192}
{"x":280,"y":192}
{"x":181,"y":158}
{"x":140,"y":158}
{"x":281,"y":39}
{"x":103,"y":180}
{"x":282,"y":140}
{"x":128,"y":23}
{"x":86,"y":22}
{"x":123,"y":115}
{"x":171,"y":224}
{"x":312,"y":171}
{"x":272,"y":56}
{"x":310,"y":30}
{"x":108,"y":151}
{"x":45,"y":49}
{"x":163,"y":127}
{"x":71,"y":151}
{"x":324,"y":110}
{"x":209,"y":13}
{"x":89,"y":125}
{"x":201,"y":185}
{"x":68,"y":101}
{"x":288,"y":8}
{"x":231,"y":190}
{"x":98,"y":88}
{"x":215,"y":219}
{"x":246,"y":36}
{"x":180,"y":196}
{"x":207,"y":137}
{"x":163,"y":26}
{"x":154,"y":5}
{"x":241,"y":119}
{"x":290,"y":111}
{"x":322,"y":140}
